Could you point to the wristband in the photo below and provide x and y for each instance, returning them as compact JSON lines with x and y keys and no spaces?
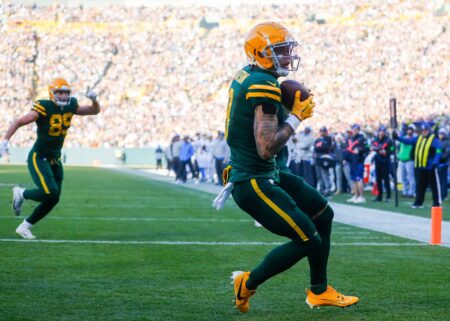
{"x":293,"y":121}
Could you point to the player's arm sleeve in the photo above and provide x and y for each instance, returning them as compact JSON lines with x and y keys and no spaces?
{"x":39,"y":108}
{"x":262,"y":93}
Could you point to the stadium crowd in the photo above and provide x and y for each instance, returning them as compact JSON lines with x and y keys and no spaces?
{"x":335,"y":162}
{"x":166,"y":69}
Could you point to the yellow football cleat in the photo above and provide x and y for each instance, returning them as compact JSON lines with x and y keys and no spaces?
{"x":241,"y":293}
{"x":330,"y":297}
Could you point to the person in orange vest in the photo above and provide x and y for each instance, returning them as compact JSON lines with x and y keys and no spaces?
{"x":427,"y":153}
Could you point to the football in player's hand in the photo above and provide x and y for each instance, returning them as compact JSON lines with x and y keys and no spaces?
{"x":288,"y":90}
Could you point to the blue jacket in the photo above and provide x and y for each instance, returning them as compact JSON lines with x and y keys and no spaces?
{"x":186,"y":151}
{"x":435,"y":150}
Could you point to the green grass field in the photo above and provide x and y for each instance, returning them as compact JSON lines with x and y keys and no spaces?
{"x":121,"y":247}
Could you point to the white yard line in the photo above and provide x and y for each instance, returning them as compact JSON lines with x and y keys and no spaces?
{"x":138,"y":219}
{"x":337,"y":230}
{"x":112,"y":242}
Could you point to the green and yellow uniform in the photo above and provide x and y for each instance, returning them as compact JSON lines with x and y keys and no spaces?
{"x":251,"y":87}
{"x":52,"y":126}
{"x":281,"y":159}
{"x":44,"y":159}
{"x":282,"y":202}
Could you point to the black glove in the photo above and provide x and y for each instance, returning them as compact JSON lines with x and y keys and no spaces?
{"x":394,"y":134}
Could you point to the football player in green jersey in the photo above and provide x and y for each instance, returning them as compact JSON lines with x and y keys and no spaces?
{"x":256,"y":130}
{"x":53,"y":118}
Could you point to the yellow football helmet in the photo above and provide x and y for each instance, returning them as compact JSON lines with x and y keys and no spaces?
{"x":269,"y":45}
{"x":57,"y":87}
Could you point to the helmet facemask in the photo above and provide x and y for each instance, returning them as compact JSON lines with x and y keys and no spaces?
{"x":61,"y":96}
{"x":282,"y":56}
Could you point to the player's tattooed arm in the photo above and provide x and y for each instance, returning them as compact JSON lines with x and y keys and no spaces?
{"x":269,"y":137}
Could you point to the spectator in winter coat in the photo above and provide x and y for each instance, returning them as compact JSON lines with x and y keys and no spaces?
{"x":406,"y":164}
{"x":383,"y":147}
{"x":306,"y":147}
{"x":323,"y":147}
{"x":355,"y":153}
{"x":427,"y":153}
{"x":443,"y":163}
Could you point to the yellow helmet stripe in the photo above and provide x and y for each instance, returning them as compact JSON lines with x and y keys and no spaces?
{"x":266,"y":87}
{"x":263,"y":95}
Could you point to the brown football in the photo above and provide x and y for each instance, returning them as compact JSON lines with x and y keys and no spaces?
{"x":288,"y":90}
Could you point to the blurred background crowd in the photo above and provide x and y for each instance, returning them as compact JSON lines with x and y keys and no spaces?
{"x":410,"y":159}
{"x":163,"y":73}
{"x":165,"y":69}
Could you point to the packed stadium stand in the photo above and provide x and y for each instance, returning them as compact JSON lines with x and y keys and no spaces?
{"x":166,"y":69}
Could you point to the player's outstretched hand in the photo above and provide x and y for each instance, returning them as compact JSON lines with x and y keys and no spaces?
{"x":303,"y":109}
{"x":92,"y":95}
{"x":3,"y":147}
{"x":394,"y":134}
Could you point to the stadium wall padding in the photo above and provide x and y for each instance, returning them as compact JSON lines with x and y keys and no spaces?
{"x":93,"y":156}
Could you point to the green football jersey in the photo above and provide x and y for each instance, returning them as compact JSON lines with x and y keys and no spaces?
{"x":52,"y":125}
{"x":281,"y":159}
{"x":251,"y":87}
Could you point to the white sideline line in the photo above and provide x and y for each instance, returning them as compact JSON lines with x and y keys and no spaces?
{"x":138,"y":219}
{"x":156,"y":219}
{"x":337,"y":230}
{"x":7,"y":184}
{"x":197,"y":243}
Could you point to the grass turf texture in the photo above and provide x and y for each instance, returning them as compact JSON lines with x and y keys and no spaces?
{"x":44,"y":281}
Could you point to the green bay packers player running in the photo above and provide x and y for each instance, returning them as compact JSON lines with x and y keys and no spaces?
{"x":53,"y":118}
{"x":284,"y":204}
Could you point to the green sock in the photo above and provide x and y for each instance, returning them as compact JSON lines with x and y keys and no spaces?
{"x":276,"y":261}
{"x":318,"y":259}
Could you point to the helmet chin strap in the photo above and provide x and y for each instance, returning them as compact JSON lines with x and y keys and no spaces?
{"x":282,"y":72}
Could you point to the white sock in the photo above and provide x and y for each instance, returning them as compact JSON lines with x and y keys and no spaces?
{"x":26,"y":224}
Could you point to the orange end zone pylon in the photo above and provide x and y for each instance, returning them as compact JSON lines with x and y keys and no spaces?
{"x":436,"y":225}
